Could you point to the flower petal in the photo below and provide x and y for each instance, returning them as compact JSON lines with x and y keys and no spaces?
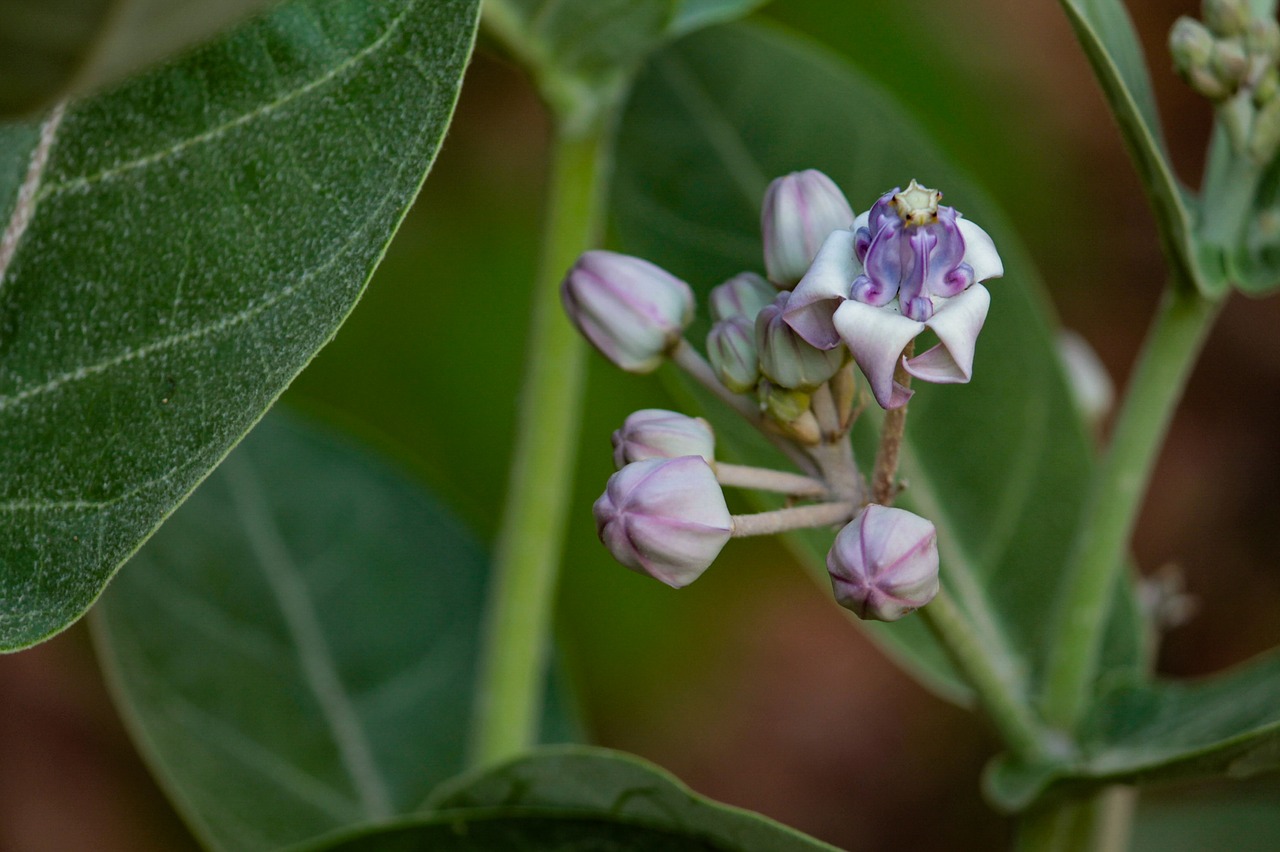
{"x":979,"y":251}
{"x":876,"y":337}
{"x":957,"y":322}
{"x":822,"y":289}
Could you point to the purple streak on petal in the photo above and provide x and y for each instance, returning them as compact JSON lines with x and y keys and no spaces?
{"x":865,"y":290}
{"x":876,"y":337}
{"x":919,"y":309}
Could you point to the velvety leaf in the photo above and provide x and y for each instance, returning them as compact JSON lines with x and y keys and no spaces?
{"x":51,"y":49}
{"x":578,"y":798}
{"x":194,"y":238}
{"x":1106,"y":33}
{"x":295,"y":650}
{"x":1000,"y":465}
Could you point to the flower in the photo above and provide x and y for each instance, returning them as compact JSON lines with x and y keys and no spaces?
{"x":731,"y":349}
{"x":632,"y":311}
{"x":906,"y":265}
{"x":743,"y":295}
{"x":884,"y":563}
{"x":799,"y":210}
{"x":664,"y":517}
{"x":654,"y":433}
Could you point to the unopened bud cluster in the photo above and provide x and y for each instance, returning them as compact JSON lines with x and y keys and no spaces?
{"x":1231,"y":57}
{"x":837,"y":289}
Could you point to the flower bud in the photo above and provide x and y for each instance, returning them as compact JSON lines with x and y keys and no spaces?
{"x":1226,"y":17}
{"x":799,"y":210}
{"x":743,"y":295}
{"x":630,"y":310}
{"x":1229,"y":64}
{"x":654,"y":433}
{"x":1264,"y":136}
{"x":782,"y":404}
{"x":786,"y":358}
{"x":664,"y":517}
{"x":731,"y":349}
{"x":884,"y":563}
{"x":1190,"y":44}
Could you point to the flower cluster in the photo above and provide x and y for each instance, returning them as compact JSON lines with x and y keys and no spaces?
{"x":838,"y":289}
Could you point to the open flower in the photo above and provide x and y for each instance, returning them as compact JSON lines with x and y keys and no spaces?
{"x":907,"y":264}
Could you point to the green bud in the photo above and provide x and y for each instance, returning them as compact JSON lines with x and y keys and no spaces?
{"x":1264,"y":137}
{"x":782,"y":404}
{"x":1230,"y":64}
{"x":1262,"y":38}
{"x":1190,"y":44}
{"x":1267,"y":87}
{"x":1226,"y":17}
{"x":731,"y":349}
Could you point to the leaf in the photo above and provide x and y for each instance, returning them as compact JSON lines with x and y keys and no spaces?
{"x":582,"y":52}
{"x":196,"y":237}
{"x":51,"y":50}
{"x":999,"y":465}
{"x":1107,"y":36}
{"x":295,"y":650}
{"x":578,"y":798}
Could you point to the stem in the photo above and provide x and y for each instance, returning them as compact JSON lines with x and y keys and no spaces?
{"x":1119,"y":484}
{"x":763,"y":479}
{"x":798,"y":518}
{"x":1003,"y":700}
{"x":1099,"y":823}
{"x":884,"y":487}
{"x":531,"y":532}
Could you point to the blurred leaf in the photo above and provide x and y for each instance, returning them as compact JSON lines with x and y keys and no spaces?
{"x":999,"y":465}
{"x":582,"y":52}
{"x":1231,"y":817}
{"x":577,"y":798}
{"x":196,"y":237}
{"x":52,"y":48}
{"x":295,"y":650}
{"x":1108,"y":38}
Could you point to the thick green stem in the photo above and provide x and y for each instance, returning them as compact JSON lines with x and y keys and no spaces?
{"x":1103,"y":534}
{"x":531,"y":533}
{"x":1001,"y":697}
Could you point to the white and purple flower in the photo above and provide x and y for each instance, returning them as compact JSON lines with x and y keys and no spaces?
{"x":907,"y":264}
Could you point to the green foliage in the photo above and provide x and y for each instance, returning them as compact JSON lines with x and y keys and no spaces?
{"x":1106,"y":34}
{"x":577,"y":798}
{"x":197,"y":236}
{"x":49,"y":50}
{"x":295,"y":649}
{"x":1000,"y":465}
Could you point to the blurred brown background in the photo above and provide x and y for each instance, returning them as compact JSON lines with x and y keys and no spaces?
{"x":782,"y":706}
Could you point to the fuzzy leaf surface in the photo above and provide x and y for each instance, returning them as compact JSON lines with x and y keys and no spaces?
{"x":196,"y":236}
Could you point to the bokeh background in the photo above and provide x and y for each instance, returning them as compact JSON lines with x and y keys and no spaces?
{"x":750,"y":685}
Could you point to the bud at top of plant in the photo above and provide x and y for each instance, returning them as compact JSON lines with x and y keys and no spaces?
{"x":799,"y":210}
{"x":884,"y":563}
{"x":664,"y":517}
{"x":655,"y":433}
{"x":1229,"y":64}
{"x":632,"y":311}
{"x":1190,"y":44}
{"x":1226,"y":17}
{"x":743,"y":295}
{"x":731,"y":349}
{"x":786,"y":358}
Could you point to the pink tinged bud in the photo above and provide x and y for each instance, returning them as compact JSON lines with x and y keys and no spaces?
{"x":630,"y":310}
{"x":743,"y":295}
{"x":731,"y":349}
{"x":654,"y":433}
{"x":884,"y":563}
{"x":664,"y":517}
{"x":785,"y":357}
{"x":799,"y":211}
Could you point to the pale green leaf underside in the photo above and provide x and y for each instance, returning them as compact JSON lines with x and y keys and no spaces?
{"x":999,"y":465}
{"x":295,"y":649}
{"x":198,"y":235}
{"x":52,"y":48}
{"x":1107,"y":36}
{"x":578,"y":798}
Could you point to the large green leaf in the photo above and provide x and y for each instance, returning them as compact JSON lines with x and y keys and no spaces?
{"x":295,"y":650}
{"x":1001,"y":464}
{"x":578,"y":798}
{"x":51,"y":49}
{"x":1107,"y":36}
{"x":196,"y":236}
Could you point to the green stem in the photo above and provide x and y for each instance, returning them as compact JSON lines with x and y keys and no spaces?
{"x":1097,"y":823}
{"x":531,"y":532}
{"x":1008,"y":708}
{"x":1120,"y":482}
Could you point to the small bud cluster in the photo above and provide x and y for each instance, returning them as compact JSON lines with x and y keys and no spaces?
{"x":1233,"y":59}
{"x":839,"y":289}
